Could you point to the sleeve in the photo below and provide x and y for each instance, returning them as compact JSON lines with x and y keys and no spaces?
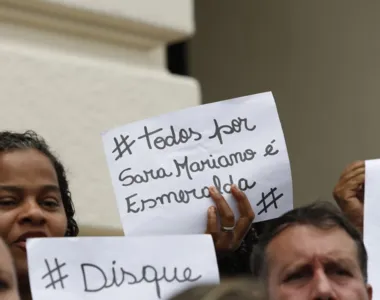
{"x":237,"y":263}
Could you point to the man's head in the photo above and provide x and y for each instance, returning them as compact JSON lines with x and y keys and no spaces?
{"x":312,"y":252}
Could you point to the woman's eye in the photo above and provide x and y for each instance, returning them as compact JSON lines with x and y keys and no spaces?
{"x":50,"y":202}
{"x":7,"y":201}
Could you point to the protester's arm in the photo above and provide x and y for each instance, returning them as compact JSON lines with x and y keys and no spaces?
{"x":237,"y":263}
{"x":233,"y":246}
{"x":349,"y":193}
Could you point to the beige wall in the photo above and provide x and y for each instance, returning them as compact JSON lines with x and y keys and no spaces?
{"x":320,"y":59}
{"x":73,"y":69}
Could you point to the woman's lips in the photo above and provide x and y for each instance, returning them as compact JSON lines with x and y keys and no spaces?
{"x":21,"y":245}
{"x":21,"y":241}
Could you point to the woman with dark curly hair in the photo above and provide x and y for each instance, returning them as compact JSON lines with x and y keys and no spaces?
{"x":35,"y":200}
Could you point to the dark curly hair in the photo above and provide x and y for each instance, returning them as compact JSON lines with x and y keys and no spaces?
{"x":31,"y":140}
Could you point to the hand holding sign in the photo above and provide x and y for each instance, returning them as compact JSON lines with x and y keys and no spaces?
{"x":349,"y":193}
{"x":162,"y":168}
{"x":228,"y":236}
{"x":145,"y":268}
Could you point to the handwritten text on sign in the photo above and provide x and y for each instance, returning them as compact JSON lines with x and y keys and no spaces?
{"x":161,"y":168}
{"x":145,"y":268}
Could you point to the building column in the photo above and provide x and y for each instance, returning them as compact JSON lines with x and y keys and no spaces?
{"x":71,"y":70}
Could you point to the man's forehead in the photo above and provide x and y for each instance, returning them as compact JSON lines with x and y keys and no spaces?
{"x":307,"y":241}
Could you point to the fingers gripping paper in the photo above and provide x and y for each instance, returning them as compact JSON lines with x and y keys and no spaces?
{"x":144,"y":268}
{"x":161,"y":167}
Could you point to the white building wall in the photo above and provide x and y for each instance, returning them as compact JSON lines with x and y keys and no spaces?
{"x":73,"y":69}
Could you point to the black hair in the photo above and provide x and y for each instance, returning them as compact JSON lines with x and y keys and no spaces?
{"x":10,"y":141}
{"x":322,"y":215}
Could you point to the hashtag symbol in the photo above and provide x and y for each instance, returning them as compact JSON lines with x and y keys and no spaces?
{"x":122,"y":146}
{"x":272,"y":203}
{"x":56,"y":270}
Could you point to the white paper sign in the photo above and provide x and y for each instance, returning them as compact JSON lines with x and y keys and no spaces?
{"x":144,"y":268}
{"x":161,"y":167}
{"x":372,"y":223}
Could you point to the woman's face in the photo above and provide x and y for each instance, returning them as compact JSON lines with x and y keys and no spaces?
{"x":8,"y":281}
{"x":30,"y":202}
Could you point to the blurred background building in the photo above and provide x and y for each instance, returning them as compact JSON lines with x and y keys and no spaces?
{"x":320,"y":58}
{"x":71,"y":69}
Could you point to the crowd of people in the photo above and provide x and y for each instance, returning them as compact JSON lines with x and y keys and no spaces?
{"x":311,"y":252}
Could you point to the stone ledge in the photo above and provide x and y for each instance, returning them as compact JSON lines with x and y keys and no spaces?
{"x":171,"y":14}
{"x":114,"y":23}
